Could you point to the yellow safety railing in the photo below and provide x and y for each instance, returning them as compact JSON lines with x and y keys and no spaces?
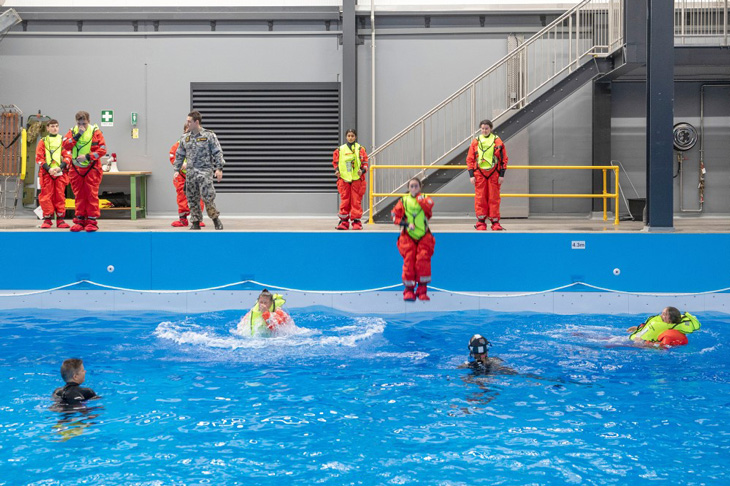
{"x":605,"y":195}
{"x":23,"y":154}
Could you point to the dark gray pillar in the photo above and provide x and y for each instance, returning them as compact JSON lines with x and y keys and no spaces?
{"x":659,"y":115}
{"x":348,"y":92}
{"x":601,"y":138}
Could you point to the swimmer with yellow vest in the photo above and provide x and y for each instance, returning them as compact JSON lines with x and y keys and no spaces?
{"x":266,"y":317}
{"x":666,"y":329}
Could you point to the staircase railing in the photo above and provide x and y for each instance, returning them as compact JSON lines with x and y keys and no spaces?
{"x":700,"y":22}
{"x":591,"y":28}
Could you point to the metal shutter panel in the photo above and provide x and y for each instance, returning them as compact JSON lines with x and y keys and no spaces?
{"x":276,"y":137}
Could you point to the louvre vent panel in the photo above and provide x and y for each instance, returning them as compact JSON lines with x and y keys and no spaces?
{"x":276,"y":137}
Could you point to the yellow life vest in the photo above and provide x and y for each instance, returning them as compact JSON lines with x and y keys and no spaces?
{"x":349,"y":163}
{"x":485,"y":151}
{"x":415,"y":216}
{"x":83,"y":145}
{"x":654,"y":326}
{"x":53,"y":150}
{"x":257,"y":319}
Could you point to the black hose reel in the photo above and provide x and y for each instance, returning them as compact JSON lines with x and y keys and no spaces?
{"x":685,"y":136}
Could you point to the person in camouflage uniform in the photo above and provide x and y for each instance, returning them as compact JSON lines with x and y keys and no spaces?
{"x":201,"y":149}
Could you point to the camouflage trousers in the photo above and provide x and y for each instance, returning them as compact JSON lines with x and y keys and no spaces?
{"x":199,"y":185}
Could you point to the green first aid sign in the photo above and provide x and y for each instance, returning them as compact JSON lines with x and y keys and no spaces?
{"x":107,"y":118}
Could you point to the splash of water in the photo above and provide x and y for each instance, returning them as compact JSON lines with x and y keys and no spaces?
{"x":189,"y":332}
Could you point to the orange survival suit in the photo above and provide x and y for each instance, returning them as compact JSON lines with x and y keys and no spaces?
{"x":85,"y":176}
{"x":487,"y":162}
{"x":415,"y":243}
{"x":348,"y":160}
{"x":48,"y":154}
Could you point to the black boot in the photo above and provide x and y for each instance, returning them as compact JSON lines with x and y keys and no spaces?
{"x":195,"y":225}
{"x":218,"y":224}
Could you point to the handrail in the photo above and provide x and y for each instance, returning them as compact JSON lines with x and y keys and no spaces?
{"x":605,"y":195}
{"x":701,"y":22}
{"x":481,"y":76}
{"x":591,"y":28}
{"x":679,"y":9}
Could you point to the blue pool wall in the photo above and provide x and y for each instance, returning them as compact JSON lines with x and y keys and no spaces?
{"x":334,"y":267}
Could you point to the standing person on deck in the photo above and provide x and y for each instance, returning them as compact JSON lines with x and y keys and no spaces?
{"x":202,"y":152}
{"x":84,"y":145}
{"x":183,"y":210}
{"x":53,"y":176}
{"x":487,"y":163}
{"x":351,"y":162}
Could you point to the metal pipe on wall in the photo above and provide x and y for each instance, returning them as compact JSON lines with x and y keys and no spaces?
{"x":702,"y":149}
{"x":682,"y":209}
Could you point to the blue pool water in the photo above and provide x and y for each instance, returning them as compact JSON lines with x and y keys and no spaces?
{"x":361,"y":400}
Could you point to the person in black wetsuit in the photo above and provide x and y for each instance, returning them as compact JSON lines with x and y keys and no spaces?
{"x":483,"y":364}
{"x":484,"y":368}
{"x":73,"y":373}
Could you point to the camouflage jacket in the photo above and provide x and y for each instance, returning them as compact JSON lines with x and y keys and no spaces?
{"x":202,"y":151}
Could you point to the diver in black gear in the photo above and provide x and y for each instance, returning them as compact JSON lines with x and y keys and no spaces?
{"x":483,"y":367}
{"x":483,"y":364}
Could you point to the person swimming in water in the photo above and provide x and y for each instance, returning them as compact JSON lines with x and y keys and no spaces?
{"x":483,"y":363}
{"x":484,"y":366}
{"x":70,"y":401}
{"x":74,"y":374}
{"x":266,"y":317}
{"x":666,"y":329}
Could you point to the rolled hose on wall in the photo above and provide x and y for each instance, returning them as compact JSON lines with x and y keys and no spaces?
{"x":685,"y":138}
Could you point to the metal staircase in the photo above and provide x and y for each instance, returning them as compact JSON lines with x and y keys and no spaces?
{"x":8,"y":19}
{"x":579,"y":46}
{"x":519,"y":88}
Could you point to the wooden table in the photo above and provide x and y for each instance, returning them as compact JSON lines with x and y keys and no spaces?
{"x":135,"y":178}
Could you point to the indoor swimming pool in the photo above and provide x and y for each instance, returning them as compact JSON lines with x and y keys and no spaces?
{"x":361,"y":399}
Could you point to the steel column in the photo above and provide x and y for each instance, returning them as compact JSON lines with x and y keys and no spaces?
{"x":659,"y":115}
{"x":348,"y":103}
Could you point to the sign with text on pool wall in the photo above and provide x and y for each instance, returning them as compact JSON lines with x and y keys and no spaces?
{"x":107,"y":118}
{"x":578,"y":245}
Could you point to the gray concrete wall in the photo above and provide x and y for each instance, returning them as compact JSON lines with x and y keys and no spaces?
{"x":415,"y":73}
{"x":629,"y":136}
{"x":562,"y":137}
{"x":152,"y":76}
